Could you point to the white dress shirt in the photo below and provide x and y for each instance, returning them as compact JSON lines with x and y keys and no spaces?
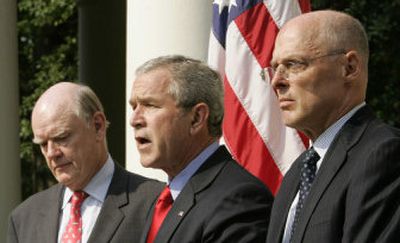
{"x":90,"y":209}
{"x":321,"y":146}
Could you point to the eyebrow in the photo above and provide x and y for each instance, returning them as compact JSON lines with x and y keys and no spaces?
{"x":141,"y":99}
{"x":37,"y":141}
{"x":55,"y":135}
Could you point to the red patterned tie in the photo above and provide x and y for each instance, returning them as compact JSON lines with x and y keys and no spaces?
{"x":73,"y":231}
{"x":164,"y":204}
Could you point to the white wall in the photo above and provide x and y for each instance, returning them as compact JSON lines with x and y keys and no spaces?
{"x":161,"y":27}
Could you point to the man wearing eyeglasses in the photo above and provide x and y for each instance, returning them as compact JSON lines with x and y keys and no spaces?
{"x":346,"y":187}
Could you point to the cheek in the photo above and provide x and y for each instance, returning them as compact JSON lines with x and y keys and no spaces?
{"x":169,"y":135}
{"x":308,"y":93}
{"x":164,"y":136}
{"x":163,"y":126}
{"x":50,"y":166}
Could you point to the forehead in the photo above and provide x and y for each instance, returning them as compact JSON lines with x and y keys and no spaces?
{"x":152,"y":83}
{"x":47,"y":120}
{"x":296,"y":41}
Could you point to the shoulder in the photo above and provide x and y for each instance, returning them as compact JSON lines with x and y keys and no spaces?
{"x":235,"y":172}
{"x":379,"y":139}
{"x":40,"y":200}
{"x":373,"y":160}
{"x":231,"y":195}
{"x":237,"y":180}
{"x":135,"y":183}
{"x":369,"y":126}
{"x":224,"y":176}
{"x":145,"y":184}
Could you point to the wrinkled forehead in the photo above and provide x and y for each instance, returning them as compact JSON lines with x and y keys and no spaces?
{"x":152,"y":82}
{"x":51,"y":110}
{"x":297,"y":39}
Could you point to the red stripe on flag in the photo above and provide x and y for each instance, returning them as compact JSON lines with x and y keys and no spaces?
{"x":259,"y":30}
{"x":305,"y":6}
{"x":245,"y":143}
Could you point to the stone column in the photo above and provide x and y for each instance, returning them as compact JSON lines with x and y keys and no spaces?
{"x":156,"y":28}
{"x":10,"y":181}
{"x":102,"y":61}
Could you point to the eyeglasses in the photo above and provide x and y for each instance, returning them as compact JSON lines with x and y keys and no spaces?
{"x":289,"y":67}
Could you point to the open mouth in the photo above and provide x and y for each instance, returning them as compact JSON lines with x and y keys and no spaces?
{"x":142,"y":141}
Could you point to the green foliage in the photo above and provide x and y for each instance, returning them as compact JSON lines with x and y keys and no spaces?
{"x":47,"y":34}
{"x":381,"y":20}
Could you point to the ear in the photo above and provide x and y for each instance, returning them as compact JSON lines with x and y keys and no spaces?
{"x":353,"y":65}
{"x":200,"y":113}
{"x":99,"y":124}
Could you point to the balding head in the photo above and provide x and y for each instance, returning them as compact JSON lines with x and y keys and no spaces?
{"x":69,"y":124}
{"x":331,"y":30}
{"x":69,"y":97}
{"x":322,"y":59}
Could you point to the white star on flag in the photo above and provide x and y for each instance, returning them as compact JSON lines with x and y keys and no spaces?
{"x":224,"y":3}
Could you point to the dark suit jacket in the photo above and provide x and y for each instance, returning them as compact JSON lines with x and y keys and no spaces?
{"x":121,"y":218}
{"x":222,"y":202}
{"x":356,"y":194}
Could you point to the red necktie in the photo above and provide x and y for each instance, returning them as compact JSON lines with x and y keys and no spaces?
{"x":73,"y":231}
{"x":164,"y":204}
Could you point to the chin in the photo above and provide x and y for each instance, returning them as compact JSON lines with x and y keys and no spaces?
{"x":288,"y":122}
{"x":290,"y":119}
{"x":64,"y":178}
{"x":147,"y":164}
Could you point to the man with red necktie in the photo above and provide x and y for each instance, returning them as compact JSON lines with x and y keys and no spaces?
{"x":95,"y":200}
{"x":177,"y":105}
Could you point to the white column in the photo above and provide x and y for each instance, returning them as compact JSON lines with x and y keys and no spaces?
{"x":156,"y":28}
{"x":10,"y":186}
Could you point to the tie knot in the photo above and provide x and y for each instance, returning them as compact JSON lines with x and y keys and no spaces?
{"x":165,"y":196}
{"x":311,"y":157}
{"x":78,"y":197}
{"x":308,"y":170}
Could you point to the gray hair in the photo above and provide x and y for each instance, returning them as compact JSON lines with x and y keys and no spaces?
{"x":192,"y":82}
{"x":345,"y":32}
{"x":87,"y":103}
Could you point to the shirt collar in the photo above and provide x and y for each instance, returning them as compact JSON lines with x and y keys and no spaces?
{"x":179,"y":181}
{"x":321,"y":145}
{"x":98,"y":185}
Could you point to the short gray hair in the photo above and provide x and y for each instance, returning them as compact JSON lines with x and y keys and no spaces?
{"x":87,"y":103}
{"x":345,"y":31}
{"x":192,"y":82}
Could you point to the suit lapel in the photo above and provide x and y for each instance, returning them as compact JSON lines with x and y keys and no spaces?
{"x":179,"y":210}
{"x":111,"y":215}
{"x":333,"y":161}
{"x":49,"y":221}
{"x":284,"y":199}
{"x":187,"y":198}
{"x":148,"y":223}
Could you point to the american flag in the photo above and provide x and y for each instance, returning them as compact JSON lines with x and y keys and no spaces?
{"x":241,"y":44}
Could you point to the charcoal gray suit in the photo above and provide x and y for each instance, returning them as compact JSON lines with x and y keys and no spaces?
{"x":221,"y":202}
{"x":121,"y":218}
{"x":356,"y":193}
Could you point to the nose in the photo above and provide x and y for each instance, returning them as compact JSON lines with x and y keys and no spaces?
{"x":52,"y":150}
{"x":280,"y":79}
{"x":137,"y":119}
